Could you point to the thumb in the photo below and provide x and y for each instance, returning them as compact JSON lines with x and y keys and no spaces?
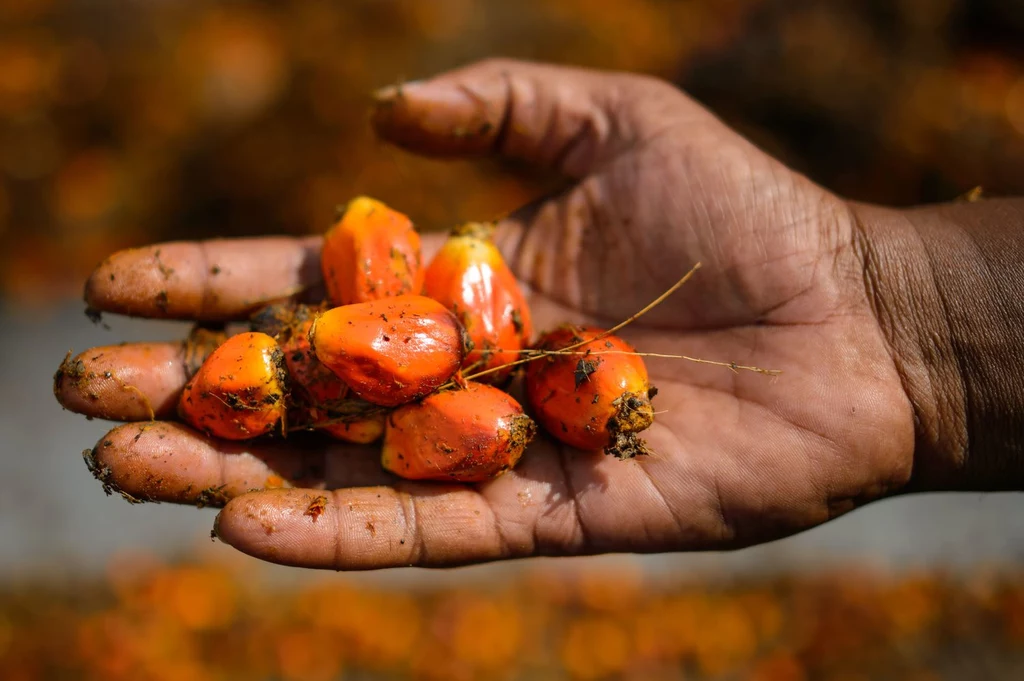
{"x":564,"y":118}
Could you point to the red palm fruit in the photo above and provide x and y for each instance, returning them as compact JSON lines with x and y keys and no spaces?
{"x":312,"y":383}
{"x":469,"y":276}
{"x":316,"y":391}
{"x":598,"y":397}
{"x":371,"y":252}
{"x":390,"y":351}
{"x":467,"y":435}
{"x":240,"y":390}
{"x":360,"y":430}
{"x":349,"y":420}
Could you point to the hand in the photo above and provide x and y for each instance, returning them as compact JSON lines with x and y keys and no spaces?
{"x":660,"y":184}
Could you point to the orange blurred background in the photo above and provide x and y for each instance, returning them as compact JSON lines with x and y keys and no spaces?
{"x":124,"y":122}
{"x":210,"y":620}
{"x":127,"y":122}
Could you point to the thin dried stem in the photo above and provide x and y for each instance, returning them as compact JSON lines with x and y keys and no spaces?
{"x":537,"y":354}
{"x":728,"y":365}
{"x":533,"y":354}
{"x":647,"y":308}
{"x":524,"y":360}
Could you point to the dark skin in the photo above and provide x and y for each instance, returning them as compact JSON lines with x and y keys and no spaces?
{"x":842,"y":298}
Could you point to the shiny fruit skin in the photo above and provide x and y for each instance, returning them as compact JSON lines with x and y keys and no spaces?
{"x":316,"y":391}
{"x":390,"y":351}
{"x":371,"y":252}
{"x":592,"y":402}
{"x":469,"y":276}
{"x":312,"y":384}
{"x":240,"y":390}
{"x":468,"y":434}
{"x":318,"y":384}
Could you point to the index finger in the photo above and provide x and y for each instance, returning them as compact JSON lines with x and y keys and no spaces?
{"x":220,"y":279}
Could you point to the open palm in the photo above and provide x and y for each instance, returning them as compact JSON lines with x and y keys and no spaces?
{"x":737,"y":458}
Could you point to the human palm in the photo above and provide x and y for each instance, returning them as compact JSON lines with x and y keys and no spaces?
{"x":737,"y":457}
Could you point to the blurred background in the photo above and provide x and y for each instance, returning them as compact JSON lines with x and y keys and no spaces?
{"x":124,"y":122}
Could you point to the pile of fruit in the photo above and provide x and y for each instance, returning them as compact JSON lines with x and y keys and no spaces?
{"x":210,"y":620}
{"x":421,"y":357}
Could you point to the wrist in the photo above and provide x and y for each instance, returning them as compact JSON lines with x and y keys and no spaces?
{"x":947,"y":287}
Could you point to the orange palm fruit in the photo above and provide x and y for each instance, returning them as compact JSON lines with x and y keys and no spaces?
{"x":317,"y":399}
{"x":598,"y":397}
{"x":468,"y":435}
{"x":390,"y":351}
{"x":312,"y":383}
{"x":371,"y":252}
{"x":349,"y":420}
{"x":469,"y":276}
{"x":240,"y":390}
{"x":360,"y":429}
